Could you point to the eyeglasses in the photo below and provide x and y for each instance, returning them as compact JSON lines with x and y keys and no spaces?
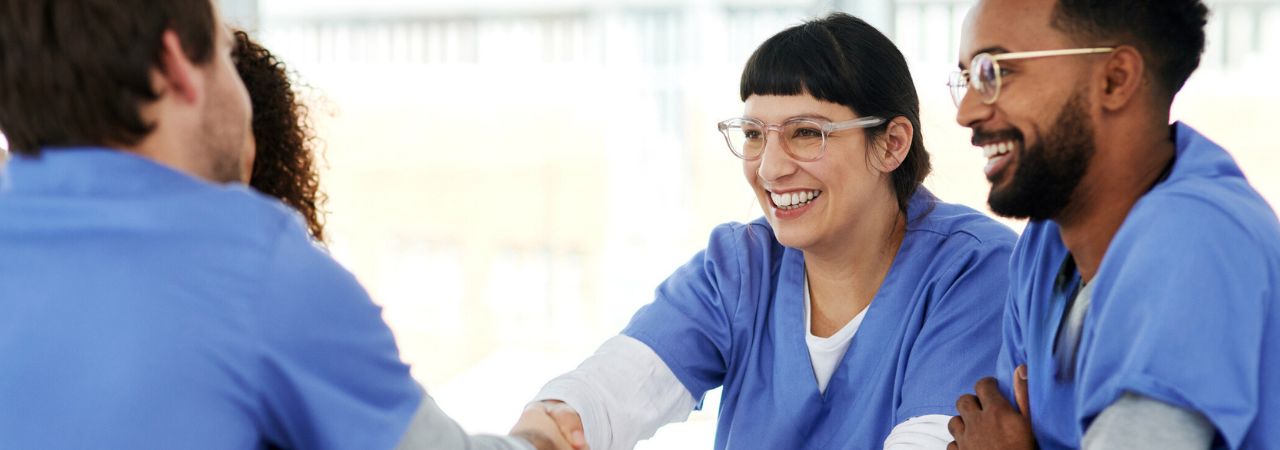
{"x":803,"y":139}
{"x":984,"y":73}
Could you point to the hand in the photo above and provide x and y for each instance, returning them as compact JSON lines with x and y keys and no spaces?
{"x":565,"y":419}
{"x":988,"y":421}
{"x":538,"y":428}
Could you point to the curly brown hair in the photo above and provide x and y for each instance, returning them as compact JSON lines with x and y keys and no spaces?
{"x":285,"y":166}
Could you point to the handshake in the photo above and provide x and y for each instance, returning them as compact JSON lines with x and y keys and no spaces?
{"x":551,"y":425}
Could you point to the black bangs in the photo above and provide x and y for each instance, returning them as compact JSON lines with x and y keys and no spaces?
{"x":801,"y":59}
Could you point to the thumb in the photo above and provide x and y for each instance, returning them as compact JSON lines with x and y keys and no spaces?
{"x":1020,"y":391}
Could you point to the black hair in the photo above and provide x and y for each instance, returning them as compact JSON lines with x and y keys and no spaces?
{"x":1168,"y":33}
{"x":285,"y":166}
{"x":842,"y":59}
{"x":76,"y":72}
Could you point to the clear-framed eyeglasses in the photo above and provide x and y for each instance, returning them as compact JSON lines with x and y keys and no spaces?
{"x":984,"y":73}
{"x":803,"y":139}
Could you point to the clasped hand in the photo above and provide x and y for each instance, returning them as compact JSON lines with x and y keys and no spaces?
{"x":551,"y":424}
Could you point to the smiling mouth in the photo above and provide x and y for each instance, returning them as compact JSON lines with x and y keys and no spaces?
{"x":998,"y":154}
{"x":793,"y":200}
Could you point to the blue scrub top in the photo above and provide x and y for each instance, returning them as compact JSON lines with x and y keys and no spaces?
{"x":1185,"y":309}
{"x":734,"y":316}
{"x":141,"y":308}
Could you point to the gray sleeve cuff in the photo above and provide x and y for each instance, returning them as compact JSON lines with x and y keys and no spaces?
{"x":1137,"y":422}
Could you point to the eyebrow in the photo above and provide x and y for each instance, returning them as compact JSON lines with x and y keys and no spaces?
{"x":995,"y":49}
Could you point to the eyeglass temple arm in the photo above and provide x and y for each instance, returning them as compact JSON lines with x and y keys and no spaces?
{"x":1045,"y":53}
{"x":862,"y":122}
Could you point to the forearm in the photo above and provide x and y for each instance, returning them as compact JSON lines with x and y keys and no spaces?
{"x":432,"y":429}
{"x":623,"y":393}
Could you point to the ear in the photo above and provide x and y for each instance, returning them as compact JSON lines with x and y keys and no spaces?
{"x":894,"y":144}
{"x":176,"y":75}
{"x":1123,"y":77}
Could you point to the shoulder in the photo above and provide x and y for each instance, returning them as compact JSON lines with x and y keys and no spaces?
{"x":1205,"y":188}
{"x":271,"y":242}
{"x":743,"y":242}
{"x":962,"y":225}
{"x":1202,"y":213}
{"x":240,"y":208}
{"x":959,"y":239}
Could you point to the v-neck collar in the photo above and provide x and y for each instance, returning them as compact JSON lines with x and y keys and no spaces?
{"x":858,"y":359}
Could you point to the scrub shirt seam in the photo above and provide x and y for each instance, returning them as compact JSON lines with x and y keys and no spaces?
{"x":945,"y":234}
{"x":737,"y":307}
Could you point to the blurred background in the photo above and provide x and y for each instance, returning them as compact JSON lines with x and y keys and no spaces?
{"x":511,"y":179}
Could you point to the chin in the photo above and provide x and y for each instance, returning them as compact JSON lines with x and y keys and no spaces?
{"x":792,"y":238}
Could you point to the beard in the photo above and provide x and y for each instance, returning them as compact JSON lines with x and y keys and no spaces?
{"x":225,"y":135}
{"x":1047,"y":174}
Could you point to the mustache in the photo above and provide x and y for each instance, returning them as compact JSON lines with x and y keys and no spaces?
{"x":982,"y":137}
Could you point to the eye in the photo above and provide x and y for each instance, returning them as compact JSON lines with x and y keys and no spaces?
{"x":807,"y":132}
{"x":751,"y":134}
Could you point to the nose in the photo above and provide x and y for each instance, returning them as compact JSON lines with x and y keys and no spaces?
{"x":775,"y":163}
{"x":972,"y":110}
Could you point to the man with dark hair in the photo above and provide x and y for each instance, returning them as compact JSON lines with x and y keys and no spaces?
{"x":1145,"y":302}
{"x":143,"y":302}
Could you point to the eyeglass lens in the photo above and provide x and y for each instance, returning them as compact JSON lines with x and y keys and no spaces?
{"x":803,"y":139}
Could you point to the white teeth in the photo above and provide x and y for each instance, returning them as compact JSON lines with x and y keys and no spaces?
{"x":991,"y":150}
{"x":778,"y":199}
{"x":794,"y":199}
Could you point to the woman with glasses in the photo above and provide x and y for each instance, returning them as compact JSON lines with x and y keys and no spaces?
{"x":851,"y":315}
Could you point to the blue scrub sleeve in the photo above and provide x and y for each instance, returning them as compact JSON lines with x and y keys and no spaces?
{"x":689,"y":323}
{"x":960,"y":338}
{"x":1178,"y":316}
{"x":331,"y":376}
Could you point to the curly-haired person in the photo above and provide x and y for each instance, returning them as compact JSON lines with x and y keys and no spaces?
{"x":282,"y":161}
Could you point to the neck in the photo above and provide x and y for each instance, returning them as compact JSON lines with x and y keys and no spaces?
{"x":1129,"y":160}
{"x":171,"y":151}
{"x":844,"y":277}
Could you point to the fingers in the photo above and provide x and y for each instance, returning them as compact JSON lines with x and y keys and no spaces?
{"x":989,"y":395}
{"x":953,"y":446}
{"x":1020,"y":391}
{"x":956,"y":427}
{"x":569,"y":422}
{"x":968,"y":404}
{"x":537,"y":427}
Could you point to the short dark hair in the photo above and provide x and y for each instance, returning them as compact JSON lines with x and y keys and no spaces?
{"x":842,"y":59}
{"x":75,"y":72}
{"x":285,"y":166}
{"x":1168,"y":33}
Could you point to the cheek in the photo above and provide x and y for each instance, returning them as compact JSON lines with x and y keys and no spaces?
{"x":749,"y":171}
